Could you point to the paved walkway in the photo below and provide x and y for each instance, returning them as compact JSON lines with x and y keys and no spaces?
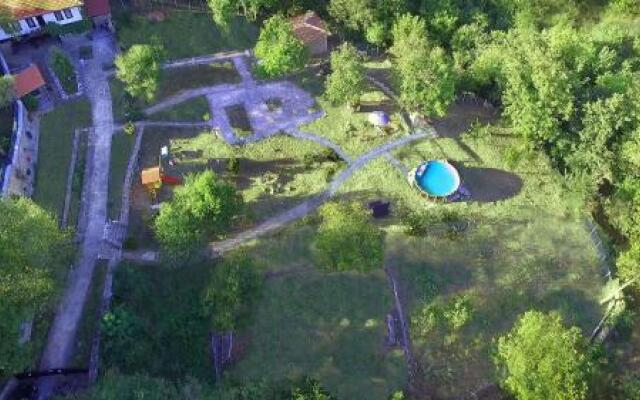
{"x":62,"y":334}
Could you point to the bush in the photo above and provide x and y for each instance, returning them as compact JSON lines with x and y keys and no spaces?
{"x":63,"y":68}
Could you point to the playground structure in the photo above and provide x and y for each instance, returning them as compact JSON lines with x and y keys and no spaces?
{"x":153,"y":178}
{"x":437,"y":179}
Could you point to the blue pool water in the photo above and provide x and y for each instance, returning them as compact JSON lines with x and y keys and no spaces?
{"x":437,"y":178}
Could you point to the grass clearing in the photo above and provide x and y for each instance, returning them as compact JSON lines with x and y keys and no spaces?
{"x":272,"y":175}
{"x":78,"y":180}
{"x":173,"y":81}
{"x":194,"y":110}
{"x":348,"y":128}
{"x":121,"y":147}
{"x":327,"y":326}
{"x":176,"y":33}
{"x":54,"y":155}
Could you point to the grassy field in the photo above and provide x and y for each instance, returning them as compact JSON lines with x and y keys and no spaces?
{"x":54,"y":155}
{"x":174,"y":80}
{"x":78,"y":180}
{"x":272,"y":175}
{"x":121,"y":146}
{"x":196,"y":109}
{"x":348,"y":128}
{"x":175,"y":33}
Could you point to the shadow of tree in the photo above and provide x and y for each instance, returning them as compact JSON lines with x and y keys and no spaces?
{"x":460,"y":116}
{"x":489,"y":184}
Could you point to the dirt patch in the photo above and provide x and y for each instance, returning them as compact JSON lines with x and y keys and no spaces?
{"x":461,"y":115}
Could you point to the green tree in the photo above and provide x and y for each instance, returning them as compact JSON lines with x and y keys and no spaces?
{"x":202,"y":207}
{"x":424,"y":74}
{"x":347,"y":240}
{"x":628,"y":264}
{"x":7,"y":90}
{"x":34,"y":256}
{"x":222,"y":11}
{"x":139,"y":69}
{"x":541,"y":359}
{"x":233,"y":286}
{"x":278,"y":50}
{"x":347,"y":81}
{"x":113,"y":385}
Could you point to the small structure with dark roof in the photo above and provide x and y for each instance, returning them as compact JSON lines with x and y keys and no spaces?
{"x":380,"y":209}
{"x":312,"y":31}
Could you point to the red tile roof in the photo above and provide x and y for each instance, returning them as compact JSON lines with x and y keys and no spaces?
{"x":20,"y":9}
{"x":309,"y":27}
{"x":97,"y":8}
{"x":28,"y":80}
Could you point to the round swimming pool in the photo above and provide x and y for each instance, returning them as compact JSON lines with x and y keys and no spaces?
{"x":437,"y":178}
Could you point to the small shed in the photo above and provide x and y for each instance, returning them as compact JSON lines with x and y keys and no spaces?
{"x":379,"y":118}
{"x":151,"y":177}
{"x":28,"y":80}
{"x":312,"y":31}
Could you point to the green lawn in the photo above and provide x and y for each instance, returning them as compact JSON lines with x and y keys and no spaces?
{"x":121,"y":146}
{"x":351,"y":129}
{"x":192,"y":110}
{"x":174,"y":80}
{"x":54,"y":154}
{"x":78,"y":180}
{"x":185,"y":34}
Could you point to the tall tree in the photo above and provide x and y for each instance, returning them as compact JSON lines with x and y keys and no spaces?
{"x":139,"y":68}
{"x":347,"y":82}
{"x":278,"y":50}
{"x":541,"y":359}
{"x":203,"y":206}
{"x":424,"y":74}
{"x":34,"y":255}
{"x":347,"y":240}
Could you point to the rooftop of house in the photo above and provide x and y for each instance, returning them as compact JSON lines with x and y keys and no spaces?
{"x":19,"y":9}
{"x":309,"y":26}
{"x":28,"y":80}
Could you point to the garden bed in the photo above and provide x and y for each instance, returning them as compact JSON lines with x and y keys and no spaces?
{"x":239,"y":120}
{"x":64,"y":71}
{"x":6,"y":130}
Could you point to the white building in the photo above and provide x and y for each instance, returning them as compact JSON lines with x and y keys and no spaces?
{"x":29,"y":16}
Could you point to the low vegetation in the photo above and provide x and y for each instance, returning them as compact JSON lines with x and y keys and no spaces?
{"x":64,"y":70}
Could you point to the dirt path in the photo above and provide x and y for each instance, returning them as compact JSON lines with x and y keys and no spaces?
{"x":61,"y":339}
{"x":301,"y":210}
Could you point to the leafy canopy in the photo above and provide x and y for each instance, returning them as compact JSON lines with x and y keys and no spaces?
{"x":203,"y":206}
{"x":423,"y":73}
{"x":540,"y":359}
{"x":278,"y":50}
{"x":347,"y":240}
{"x":347,"y":82}
{"x":139,"y":68}
{"x":34,"y":255}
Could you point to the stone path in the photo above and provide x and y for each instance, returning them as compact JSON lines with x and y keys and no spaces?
{"x":61,"y":339}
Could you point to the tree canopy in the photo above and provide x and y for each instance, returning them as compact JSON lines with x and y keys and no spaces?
{"x":202,"y":207}
{"x":139,"y":68}
{"x":423,"y":73}
{"x":34,"y":256}
{"x":541,"y":359}
{"x":347,"y":240}
{"x":347,"y":81}
{"x":278,"y":50}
